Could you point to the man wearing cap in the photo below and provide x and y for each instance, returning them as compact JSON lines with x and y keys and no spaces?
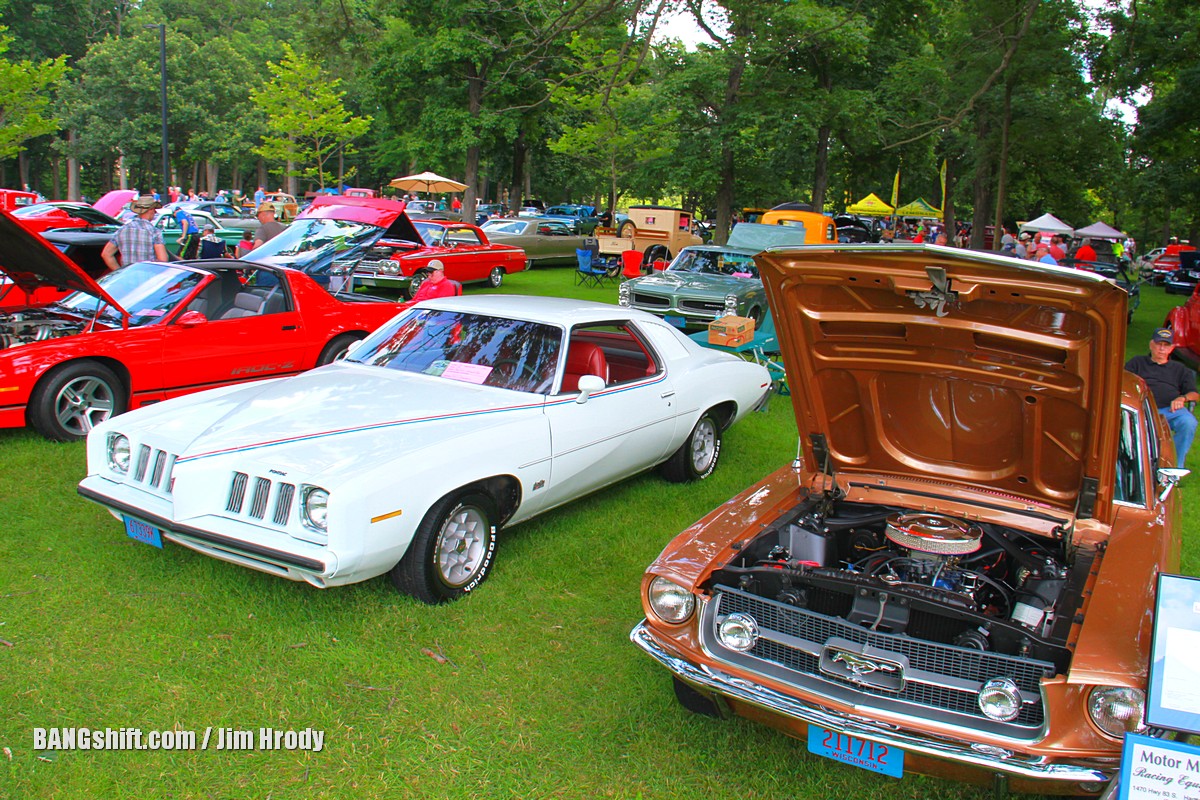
{"x":437,"y":284}
{"x":189,"y":233}
{"x":1172,"y":385}
{"x":268,"y":228}
{"x":138,"y":239}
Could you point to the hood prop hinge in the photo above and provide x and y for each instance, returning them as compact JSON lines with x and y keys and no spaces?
{"x":820,"y":451}
{"x":1085,"y":506}
{"x":939,"y":296}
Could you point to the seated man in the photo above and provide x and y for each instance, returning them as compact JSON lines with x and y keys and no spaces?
{"x":1173,"y":385}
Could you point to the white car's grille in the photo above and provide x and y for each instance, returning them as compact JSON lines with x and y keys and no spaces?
{"x":153,"y":469}
{"x":253,"y":497}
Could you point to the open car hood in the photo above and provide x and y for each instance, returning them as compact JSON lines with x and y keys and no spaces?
{"x":951,"y":366}
{"x":31,"y":262}
{"x":386,"y":214}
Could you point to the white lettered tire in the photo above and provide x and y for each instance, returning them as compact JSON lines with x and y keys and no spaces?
{"x":452,"y":551}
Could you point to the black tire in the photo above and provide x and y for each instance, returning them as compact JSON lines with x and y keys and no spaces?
{"x":627,"y":230}
{"x":755,"y":313}
{"x":415,"y":283}
{"x":496,"y":277}
{"x":72,"y":399}
{"x":452,"y":551}
{"x":655,"y":252}
{"x":336,"y":349}
{"x":697,"y":457}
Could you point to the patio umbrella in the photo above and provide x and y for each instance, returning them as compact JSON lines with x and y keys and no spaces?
{"x":427,"y":182}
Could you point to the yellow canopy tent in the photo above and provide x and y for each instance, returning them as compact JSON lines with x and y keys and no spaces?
{"x":870,"y":206}
{"x":919,"y":208}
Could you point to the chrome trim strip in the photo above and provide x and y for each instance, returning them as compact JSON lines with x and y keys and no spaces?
{"x":945,"y":749}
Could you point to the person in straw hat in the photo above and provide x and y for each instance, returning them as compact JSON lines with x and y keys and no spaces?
{"x":138,"y":239}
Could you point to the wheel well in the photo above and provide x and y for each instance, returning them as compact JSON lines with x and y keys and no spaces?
{"x":724,"y":413}
{"x":116,"y":366}
{"x":504,"y":489}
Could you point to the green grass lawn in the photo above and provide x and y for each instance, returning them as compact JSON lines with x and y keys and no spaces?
{"x":527,"y":689}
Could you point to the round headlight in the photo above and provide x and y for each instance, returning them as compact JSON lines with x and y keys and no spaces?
{"x":1000,"y":699}
{"x":118,"y":453}
{"x":316,"y":502}
{"x":730,"y":309}
{"x":623,"y":294}
{"x":738,"y":632}
{"x":1117,"y":710}
{"x":669,"y":601}
{"x":391,"y":267}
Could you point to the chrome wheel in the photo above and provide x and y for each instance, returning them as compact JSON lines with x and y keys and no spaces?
{"x":496,"y":277}
{"x":462,"y":545}
{"x":83,"y":403}
{"x":703,"y":445}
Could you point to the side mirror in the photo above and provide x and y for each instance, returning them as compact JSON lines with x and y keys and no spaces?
{"x":589,"y":385}
{"x":1167,"y":477}
{"x":191,"y":319}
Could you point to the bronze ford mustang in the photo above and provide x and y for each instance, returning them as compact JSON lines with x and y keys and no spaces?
{"x":956,"y":576}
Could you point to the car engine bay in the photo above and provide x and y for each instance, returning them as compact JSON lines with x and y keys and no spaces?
{"x":36,"y":325}
{"x":976,"y":585}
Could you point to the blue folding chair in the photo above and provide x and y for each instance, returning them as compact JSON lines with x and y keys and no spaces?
{"x":586,"y":274}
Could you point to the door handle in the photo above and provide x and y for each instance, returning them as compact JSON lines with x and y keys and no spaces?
{"x":290,"y":327}
{"x":667,"y":394}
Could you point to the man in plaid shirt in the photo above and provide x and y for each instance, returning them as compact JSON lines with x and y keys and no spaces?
{"x":138,"y":239}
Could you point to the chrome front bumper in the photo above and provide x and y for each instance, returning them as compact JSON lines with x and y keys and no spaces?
{"x":957,"y":751}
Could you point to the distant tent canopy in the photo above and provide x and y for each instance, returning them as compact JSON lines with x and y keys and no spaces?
{"x":1099,"y":230}
{"x":1047,"y":223}
{"x":870,"y":206}
{"x":919,"y":208}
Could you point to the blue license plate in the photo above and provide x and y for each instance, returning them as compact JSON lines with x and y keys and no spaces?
{"x":678,"y":322}
{"x":143,"y":532}
{"x":862,"y":753}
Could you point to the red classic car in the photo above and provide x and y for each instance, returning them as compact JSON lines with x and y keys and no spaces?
{"x":41,"y":217}
{"x":957,"y":575}
{"x":151,"y":331}
{"x":464,"y":250}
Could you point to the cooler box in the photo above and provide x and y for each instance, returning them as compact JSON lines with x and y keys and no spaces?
{"x":730,"y":331}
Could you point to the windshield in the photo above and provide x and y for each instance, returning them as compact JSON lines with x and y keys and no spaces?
{"x":148,"y":291}
{"x":430,"y":234}
{"x":504,"y":226}
{"x":472,"y":348}
{"x":313,"y":244}
{"x":709,"y":262}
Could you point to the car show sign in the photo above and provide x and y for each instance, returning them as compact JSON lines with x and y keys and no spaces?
{"x":1174,"y":700}
{"x":1157,"y":768}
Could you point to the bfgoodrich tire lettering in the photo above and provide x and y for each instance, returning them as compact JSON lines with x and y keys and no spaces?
{"x":697,"y":457}
{"x":72,"y":399}
{"x":452,"y":551}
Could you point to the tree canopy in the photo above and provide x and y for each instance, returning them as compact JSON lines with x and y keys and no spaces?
{"x":1006,"y":102}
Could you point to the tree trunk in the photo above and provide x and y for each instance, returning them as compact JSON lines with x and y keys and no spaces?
{"x":518,"y":176}
{"x":982,"y":188}
{"x":1002,"y":164}
{"x":72,"y":170}
{"x":821,"y":168}
{"x":55,"y":178}
{"x":726,"y":174}
{"x":948,"y":204}
{"x":212,"y":173}
{"x":475,"y":109}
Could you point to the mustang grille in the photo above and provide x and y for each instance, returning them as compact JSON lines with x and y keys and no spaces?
{"x":941,"y":682}
{"x":260,"y":498}
{"x":152,"y":468}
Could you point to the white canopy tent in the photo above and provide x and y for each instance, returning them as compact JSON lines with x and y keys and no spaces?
{"x":1047,"y":223}
{"x":1099,"y":230}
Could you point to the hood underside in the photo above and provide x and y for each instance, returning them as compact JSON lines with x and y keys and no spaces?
{"x":954,"y":367}
{"x":31,"y":262}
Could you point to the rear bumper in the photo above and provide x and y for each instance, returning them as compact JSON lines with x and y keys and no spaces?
{"x":955,"y":754}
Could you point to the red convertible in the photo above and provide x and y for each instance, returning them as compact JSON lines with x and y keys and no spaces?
{"x":152,"y":331}
{"x":464,"y":250}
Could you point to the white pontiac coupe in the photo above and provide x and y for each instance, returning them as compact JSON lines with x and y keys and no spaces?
{"x":458,"y":416}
